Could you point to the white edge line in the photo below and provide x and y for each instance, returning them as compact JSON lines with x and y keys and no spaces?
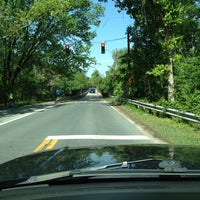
{"x":24,"y":115}
{"x":39,"y":110}
{"x":20,"y":117}
{"x":148,"y":134}
{"x":127,"y":118}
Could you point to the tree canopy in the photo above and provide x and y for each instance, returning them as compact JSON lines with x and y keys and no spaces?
{"x":33,"y":38}
{"x":164,"y":56}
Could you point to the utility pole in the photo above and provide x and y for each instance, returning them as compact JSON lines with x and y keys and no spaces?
{"x":128,"y":61}
{"x":128,"y":46}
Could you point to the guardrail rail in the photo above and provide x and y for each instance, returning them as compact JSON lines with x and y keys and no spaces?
{"x":168,"y":111}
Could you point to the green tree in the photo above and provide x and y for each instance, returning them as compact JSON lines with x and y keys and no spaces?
{"x":187,"y":75}
{"x":107,"y":83}
{"x":96,"y":79}
{"x":79,"y":81}
{"x":34,"y":34}
{"x":163,"y":31}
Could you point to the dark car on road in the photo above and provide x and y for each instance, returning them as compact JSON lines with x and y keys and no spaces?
{"x":92,"y":90}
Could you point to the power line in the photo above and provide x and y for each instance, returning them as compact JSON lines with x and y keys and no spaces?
{"x":115,"y":39}
{"x":112,"y":40}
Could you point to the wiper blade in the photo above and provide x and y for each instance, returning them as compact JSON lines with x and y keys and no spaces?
{"x":32,"y":180}
{"x":68,"y":175}
{"x":167,"y":169}
{"x":8,"y":183}
{"x":145,"y":164}
{"x":137,"y":164}
{"x":127,"y":169}
{"x":46,"y":178}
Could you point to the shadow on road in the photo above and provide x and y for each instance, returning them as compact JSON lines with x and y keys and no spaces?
{"x":21,"y":109}
{"x":61,"y":102}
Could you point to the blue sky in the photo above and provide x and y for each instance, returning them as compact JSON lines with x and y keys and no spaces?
{"x":113,"y":26}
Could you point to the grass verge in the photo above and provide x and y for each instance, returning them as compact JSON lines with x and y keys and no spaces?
{"x":171,"y":130}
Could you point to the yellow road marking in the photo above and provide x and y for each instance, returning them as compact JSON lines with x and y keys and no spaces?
{"x":51,"y":144}
{"x":48,"y":144}
{"x":42,"y":145}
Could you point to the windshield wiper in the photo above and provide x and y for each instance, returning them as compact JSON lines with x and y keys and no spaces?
{"x":145,"y":169}
{"x":7,"y":183}
{"x":70,"y":175}
{"x":137,"y":164}
{"x":145,"y":164}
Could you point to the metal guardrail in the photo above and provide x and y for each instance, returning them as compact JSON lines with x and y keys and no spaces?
{"x":168,"y":111}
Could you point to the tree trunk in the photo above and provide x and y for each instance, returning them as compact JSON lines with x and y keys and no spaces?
{"x":171,"y":81}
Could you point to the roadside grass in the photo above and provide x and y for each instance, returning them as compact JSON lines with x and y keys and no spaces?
{"x":171,"y":130}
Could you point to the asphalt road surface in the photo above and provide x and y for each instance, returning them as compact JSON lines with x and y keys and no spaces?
{"x":85,"y":123}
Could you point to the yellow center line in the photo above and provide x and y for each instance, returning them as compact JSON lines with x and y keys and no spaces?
{"x":51,"y":144}
{"x":42,"y":145}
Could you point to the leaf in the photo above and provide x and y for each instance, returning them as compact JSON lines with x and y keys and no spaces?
{"x":159,"y":70}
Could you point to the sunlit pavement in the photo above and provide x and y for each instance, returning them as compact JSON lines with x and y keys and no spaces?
{"x":88,"y":122}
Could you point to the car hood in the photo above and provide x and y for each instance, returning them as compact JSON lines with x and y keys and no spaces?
{"x":65,"y":159}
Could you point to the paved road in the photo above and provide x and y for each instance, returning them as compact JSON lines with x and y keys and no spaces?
{"x":88,"y":122}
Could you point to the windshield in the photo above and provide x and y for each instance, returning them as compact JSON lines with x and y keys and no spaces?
{"x":91,"y":74}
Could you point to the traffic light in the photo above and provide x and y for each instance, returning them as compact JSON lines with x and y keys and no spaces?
{"x":102,"y":47}
{"x":67,"y":49}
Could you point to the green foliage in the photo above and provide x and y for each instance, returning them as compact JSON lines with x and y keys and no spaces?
{"x":166,"y":39}
{"x":106,"y":85}
{"x":79,"y":81}
{"x":187,"y":75}
{"x":164,"y":61}
{"x":118,"y":90}
{"x":169,"y":130}
{"x":159,"y":70}
{"x":96,"y":79}
{"x":34,"y":34}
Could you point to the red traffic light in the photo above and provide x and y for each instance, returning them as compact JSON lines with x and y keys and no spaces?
{"x":67,"y":49}
{"x":102,"y":47}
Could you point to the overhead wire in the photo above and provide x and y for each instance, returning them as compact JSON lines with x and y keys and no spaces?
{"x":111,"y":40}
